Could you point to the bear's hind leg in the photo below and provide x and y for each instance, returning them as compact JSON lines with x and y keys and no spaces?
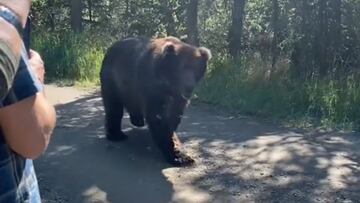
{"x":135,"y":113}
{"x":137,"y":120}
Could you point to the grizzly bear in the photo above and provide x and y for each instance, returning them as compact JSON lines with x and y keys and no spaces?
{"x":153,"y":79}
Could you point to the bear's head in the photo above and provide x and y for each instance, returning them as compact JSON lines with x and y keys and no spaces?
{"x":180,"y":66}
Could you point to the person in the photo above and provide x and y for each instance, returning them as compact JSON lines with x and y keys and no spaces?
{"x":26,"y":117}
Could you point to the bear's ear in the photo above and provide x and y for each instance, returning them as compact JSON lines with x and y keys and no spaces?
{"x":168,"y":49}
{"x":205,"y":53}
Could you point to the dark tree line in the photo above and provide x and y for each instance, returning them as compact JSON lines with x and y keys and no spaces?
{"x":320,"y":38}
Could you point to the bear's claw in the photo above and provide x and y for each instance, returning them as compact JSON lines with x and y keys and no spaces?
{"x":181,"y":159}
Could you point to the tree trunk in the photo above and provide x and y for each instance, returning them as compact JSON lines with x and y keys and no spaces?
{"x":127,"y":9}
{"x":90,"y":10}
{"x":322,"y":38}
{"x":76,"y":15}
{"x":303,"y":53}
{"x":336,"y":26}
{"x":50,"y":8}
{"x":192,"y":22}
{"x":335,"y":31}
{"x":169,"y":19}
{"x":236,"y":29}
{"x":276,"y":30}
{"x":126,"y":17}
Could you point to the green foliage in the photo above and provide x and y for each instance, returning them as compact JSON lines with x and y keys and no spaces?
{"x":249,"y":89}
{"x":214,"y":16}
{"x":69,"y":56}
{"x":300,"y":59}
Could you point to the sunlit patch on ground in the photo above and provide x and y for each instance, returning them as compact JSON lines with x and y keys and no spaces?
{"x":237,"y":160}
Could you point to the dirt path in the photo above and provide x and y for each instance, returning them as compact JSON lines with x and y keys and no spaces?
{"x":238,"y":160}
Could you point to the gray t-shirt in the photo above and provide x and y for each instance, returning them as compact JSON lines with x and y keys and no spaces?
{"x":9,"y":64}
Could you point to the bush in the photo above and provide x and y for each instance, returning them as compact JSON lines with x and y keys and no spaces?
{"x":69,"y":56}
{"x":249,"y":89}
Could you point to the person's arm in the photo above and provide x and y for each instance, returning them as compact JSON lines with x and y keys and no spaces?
{"x":27,"y":124}
{"x":26,"y":118}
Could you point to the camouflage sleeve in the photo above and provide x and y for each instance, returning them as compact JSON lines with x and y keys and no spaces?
{"x":9,"y":63}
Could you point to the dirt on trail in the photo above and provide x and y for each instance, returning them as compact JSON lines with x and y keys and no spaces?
{"x":239,"y":159}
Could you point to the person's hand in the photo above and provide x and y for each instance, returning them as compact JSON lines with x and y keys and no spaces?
{"x":37,"y":65}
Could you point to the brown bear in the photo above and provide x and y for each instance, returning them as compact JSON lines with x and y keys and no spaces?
{"x":153,"y":79}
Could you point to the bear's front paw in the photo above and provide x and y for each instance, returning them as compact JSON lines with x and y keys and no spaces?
{"x":116,"y":137}
{"x":182,"y":159}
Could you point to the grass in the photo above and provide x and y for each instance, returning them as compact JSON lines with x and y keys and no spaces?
{"x":70,"y":57}
{"x":247,"y":88}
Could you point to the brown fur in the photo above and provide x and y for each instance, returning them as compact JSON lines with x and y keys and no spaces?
{"x":153,"y":80}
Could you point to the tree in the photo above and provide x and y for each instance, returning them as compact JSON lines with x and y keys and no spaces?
{"x":316,"y":36}
{"x":51,"y":16}
{"x":335,"y":29}
{"x":236,"y":28}
{"x":322,"y":38}
{"x":328,"y":36}
{"x":169,"y":21}
{"x":76,"y":15}
{"x":192,"y":22}
{"x":276,"y":32}
{"x":303,"y":37}
{"x":90,"y":10}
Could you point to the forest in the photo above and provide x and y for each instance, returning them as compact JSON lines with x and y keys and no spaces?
{"x":293,"y":60}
